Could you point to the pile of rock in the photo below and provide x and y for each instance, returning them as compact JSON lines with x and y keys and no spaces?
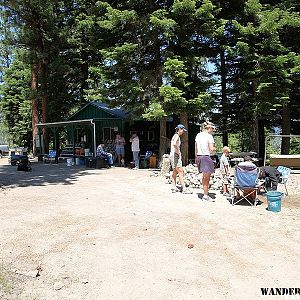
{"x":193,"y":178}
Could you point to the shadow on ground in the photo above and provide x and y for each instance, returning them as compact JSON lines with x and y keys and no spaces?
{"x":210,"y":194}
{"x":41,"y":174}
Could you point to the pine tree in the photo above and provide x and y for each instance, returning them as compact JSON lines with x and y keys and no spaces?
{"x":16,"y":108}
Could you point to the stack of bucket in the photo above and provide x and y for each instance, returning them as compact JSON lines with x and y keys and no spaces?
{"x":274,"y":201}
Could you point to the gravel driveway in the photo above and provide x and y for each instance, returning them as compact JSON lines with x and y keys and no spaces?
{"x":77,"y":233}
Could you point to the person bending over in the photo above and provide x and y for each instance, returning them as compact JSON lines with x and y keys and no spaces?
{"x":271,"y":176}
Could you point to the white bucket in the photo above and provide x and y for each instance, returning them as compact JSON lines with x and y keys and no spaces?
{"x":86,"y":152}
{"x":77,"y":161}
{"x":69,"y":162}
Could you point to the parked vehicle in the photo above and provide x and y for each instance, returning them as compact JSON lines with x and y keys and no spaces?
{"x":16,"y":155}
{"x":4,"y":150}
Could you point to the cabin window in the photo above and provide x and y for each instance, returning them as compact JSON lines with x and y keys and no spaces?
{"x":145,"y":135}
{"x":108,"y":134}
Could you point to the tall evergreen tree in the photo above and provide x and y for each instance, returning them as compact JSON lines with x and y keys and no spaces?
{"x":16,"y":108}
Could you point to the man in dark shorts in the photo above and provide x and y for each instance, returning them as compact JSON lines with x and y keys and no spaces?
{"x":204,"y":148}
{"x":271,"y":175}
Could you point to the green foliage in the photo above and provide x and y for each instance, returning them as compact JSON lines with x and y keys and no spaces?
{"x":154,"y":111}
{"x":206,"y":11}
{"x":6,"y":285}
{"x":274,"y":145}
{"x":151,"y":58}
{"x":16,"y":101}
{"x":184,"y":7}
{"x":160,"y":21}
{"x":126,"y":51}
{"x":201,"y":104}
{"x":295,"y":146}
{"x":253,"y":7}
{"x":263,"y":62}
{"x":173,"y":98}
{"x":175,"y":92}
{"x":117,"y":19}
{"x":175,"y":71}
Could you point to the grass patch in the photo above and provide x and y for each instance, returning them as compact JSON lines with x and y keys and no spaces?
{"x":6,"y":286}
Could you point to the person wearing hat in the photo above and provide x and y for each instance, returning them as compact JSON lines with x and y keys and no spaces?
{"x":225,"y":170}
{"x":204,"y":148}
{"x":176,"y":160}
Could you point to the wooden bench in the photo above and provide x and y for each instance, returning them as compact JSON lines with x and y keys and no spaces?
{"x":291,"y":161}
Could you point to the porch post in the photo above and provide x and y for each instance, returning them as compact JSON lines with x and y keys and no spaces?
{"x":94,"y":132}
{"x":41,"y":144}
{"x":73,"y":139}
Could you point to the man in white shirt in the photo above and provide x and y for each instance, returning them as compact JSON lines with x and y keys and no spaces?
{"x":135,"y":148}
{"x":204,"y":148}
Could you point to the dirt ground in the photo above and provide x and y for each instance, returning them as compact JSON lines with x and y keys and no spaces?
{"x":121,"y":234}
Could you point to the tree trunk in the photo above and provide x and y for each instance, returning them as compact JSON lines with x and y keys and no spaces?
{"x":261,"y":142}
{"x":164,"y":141}
{"x":184,"y":138}
{"x":224,"y":102}
{"x":44,"y":106}
{"x":84,"y":84}
{"x":255,"y":134}
{"x":286,"y":129}
{"x":35,"y":115}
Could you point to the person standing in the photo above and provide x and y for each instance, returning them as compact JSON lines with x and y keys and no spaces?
{"x":225,"y":170}
{"x":135,"y":148}
{"x":176,"y":161}
{"x":120,"y":150}
{"x":204,"y":148}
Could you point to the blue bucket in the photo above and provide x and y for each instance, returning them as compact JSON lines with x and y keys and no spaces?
{"x":274,"y":201}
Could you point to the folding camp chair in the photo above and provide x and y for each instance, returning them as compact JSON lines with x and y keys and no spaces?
{"x":51,"y":157}
{"x":285,"y":173}
{"x":245,"y":184}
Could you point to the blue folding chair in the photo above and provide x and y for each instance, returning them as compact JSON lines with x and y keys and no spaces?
{"x":245,"y":184}
{"x":50,"y":157}
{"x":285,"y":173}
